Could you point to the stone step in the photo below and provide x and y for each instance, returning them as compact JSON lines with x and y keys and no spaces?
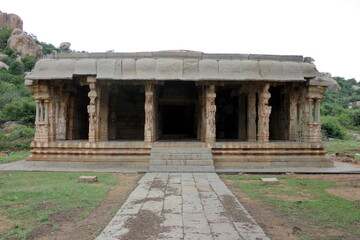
{"x":181,"y":168}
{"x":183,"y":162}
{"x":172,"y":159}
{"x":190,"y":157}
{"x":157,"y":151}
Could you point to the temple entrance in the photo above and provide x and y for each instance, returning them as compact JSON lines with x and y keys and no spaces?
{"x":177,"y":121}
{"x":178,"y":109}
{"x":279,"y":117}
{"x":227,"y":119}
{"x":126,"y":112}
{"x":78,"y":128}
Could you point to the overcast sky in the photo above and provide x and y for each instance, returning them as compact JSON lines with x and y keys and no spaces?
{"x":326,"y":30}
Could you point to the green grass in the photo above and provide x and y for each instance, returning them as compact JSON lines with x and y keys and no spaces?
{"x":318,"y":215}
{"x":343,"y":146}
{"x":14,"y":156}
{"x":28,"y":200}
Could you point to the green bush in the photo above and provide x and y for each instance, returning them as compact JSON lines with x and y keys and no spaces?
{"x":355,"y":117}
{"x":5,"y":76}
{"x":16,"y":68}
{"x":332,"y":128}
{"x":29,"y":63}
{"x":22,"y":111}
{"x":19,"y":138}
{"x":9,"y":51}
{"x":4,"y":36}
{"x":8,"y":60}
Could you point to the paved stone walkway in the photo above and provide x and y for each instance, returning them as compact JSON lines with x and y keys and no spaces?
{"x":116,"y":167}
{"x":182,"y":206}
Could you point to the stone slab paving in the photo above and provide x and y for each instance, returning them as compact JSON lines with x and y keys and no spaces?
{"x":183,"y":206}
{"x":32,"y":166}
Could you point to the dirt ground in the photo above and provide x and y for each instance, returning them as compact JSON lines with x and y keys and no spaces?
{"x":273,"y":223}
{"x":91,"y":226}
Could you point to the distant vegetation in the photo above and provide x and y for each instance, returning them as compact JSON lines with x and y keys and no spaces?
{"x":339,"y":110}
{"x":16,"y":102}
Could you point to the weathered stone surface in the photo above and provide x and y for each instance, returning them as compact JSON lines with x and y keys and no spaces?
{"x":24,"y":44}
{"x":65,"y":46}
{"x":270,"y":180}
{"x":333,"y":85}
{"x":194,"y":210}
{"x":11,"y":21}
{"x":9,"y":125}
{"x":3,"y":65}
{"x":195,"y":69}
{"x":87,"y":179}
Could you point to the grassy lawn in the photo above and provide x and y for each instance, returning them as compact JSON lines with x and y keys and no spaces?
{"x":343,"y":146}
{"x":14,"y":156}
{"x":30,"y":201}
{"x":306,"y":204}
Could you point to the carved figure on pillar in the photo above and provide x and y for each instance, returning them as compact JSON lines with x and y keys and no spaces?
{"x":149,"y":133}
{"x":264,"y":114}
{"x":92,"y":121}
{"x":91,"y":108}
{"x":41,"y":95}
{"x":210,"y":115}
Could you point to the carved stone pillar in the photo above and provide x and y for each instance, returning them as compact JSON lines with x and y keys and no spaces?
{"x":264,"y":111}
{"x":62,"y":116}
{"x":251,"y":117}
{"x":41,"y":95}
{"x":149,"y":128}
{"x":210,"y":135}
{"x":312,"y":122}
{"x":293,"y":116}
{"x":317,"y":110}
{"x":104,"y":114}
{"x":203,"y":114}
{"x":91,"y":108}
{"x":199,"y":115}
{"x":242,"y":117}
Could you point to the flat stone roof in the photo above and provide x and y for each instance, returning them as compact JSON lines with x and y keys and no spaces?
{"x":176,"y":65}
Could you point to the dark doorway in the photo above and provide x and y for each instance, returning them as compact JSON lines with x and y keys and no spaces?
{"x":226,"y":113}
{"x":178,"y":121}
{"x":178,"y":109}
{"x":279,"y":117}
{"x":80,"y":101}
{"x":126,"y":112}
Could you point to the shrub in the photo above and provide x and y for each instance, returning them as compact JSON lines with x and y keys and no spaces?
{"x":19,"y":138}
{"x":29,"y":63}
{"x":22,"y":111}
{"x":16,"y":68}
{"x":332,"y":128}
{"x":9,"y":51}
{"x":5,"y":76}
{"x":4,"y":36}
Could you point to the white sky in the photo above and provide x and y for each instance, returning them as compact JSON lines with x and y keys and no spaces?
{"x":326,"y":30}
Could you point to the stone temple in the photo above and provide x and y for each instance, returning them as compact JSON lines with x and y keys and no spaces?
{"x":178,"y":110}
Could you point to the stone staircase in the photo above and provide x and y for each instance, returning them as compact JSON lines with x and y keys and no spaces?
{"x":176,"y":159}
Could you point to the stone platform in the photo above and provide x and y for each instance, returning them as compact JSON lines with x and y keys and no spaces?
{"x":182,"y":206}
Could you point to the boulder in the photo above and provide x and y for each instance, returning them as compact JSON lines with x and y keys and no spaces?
{"x":7,"y":126}
{"x":24,"y":44}
{"x":65,"y":46}
{"x":2,"y":55}
{"x":11,"y":21}
{"x":333,"y":84}
{"x":3,"y":65}
{"x":355,"y":87}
